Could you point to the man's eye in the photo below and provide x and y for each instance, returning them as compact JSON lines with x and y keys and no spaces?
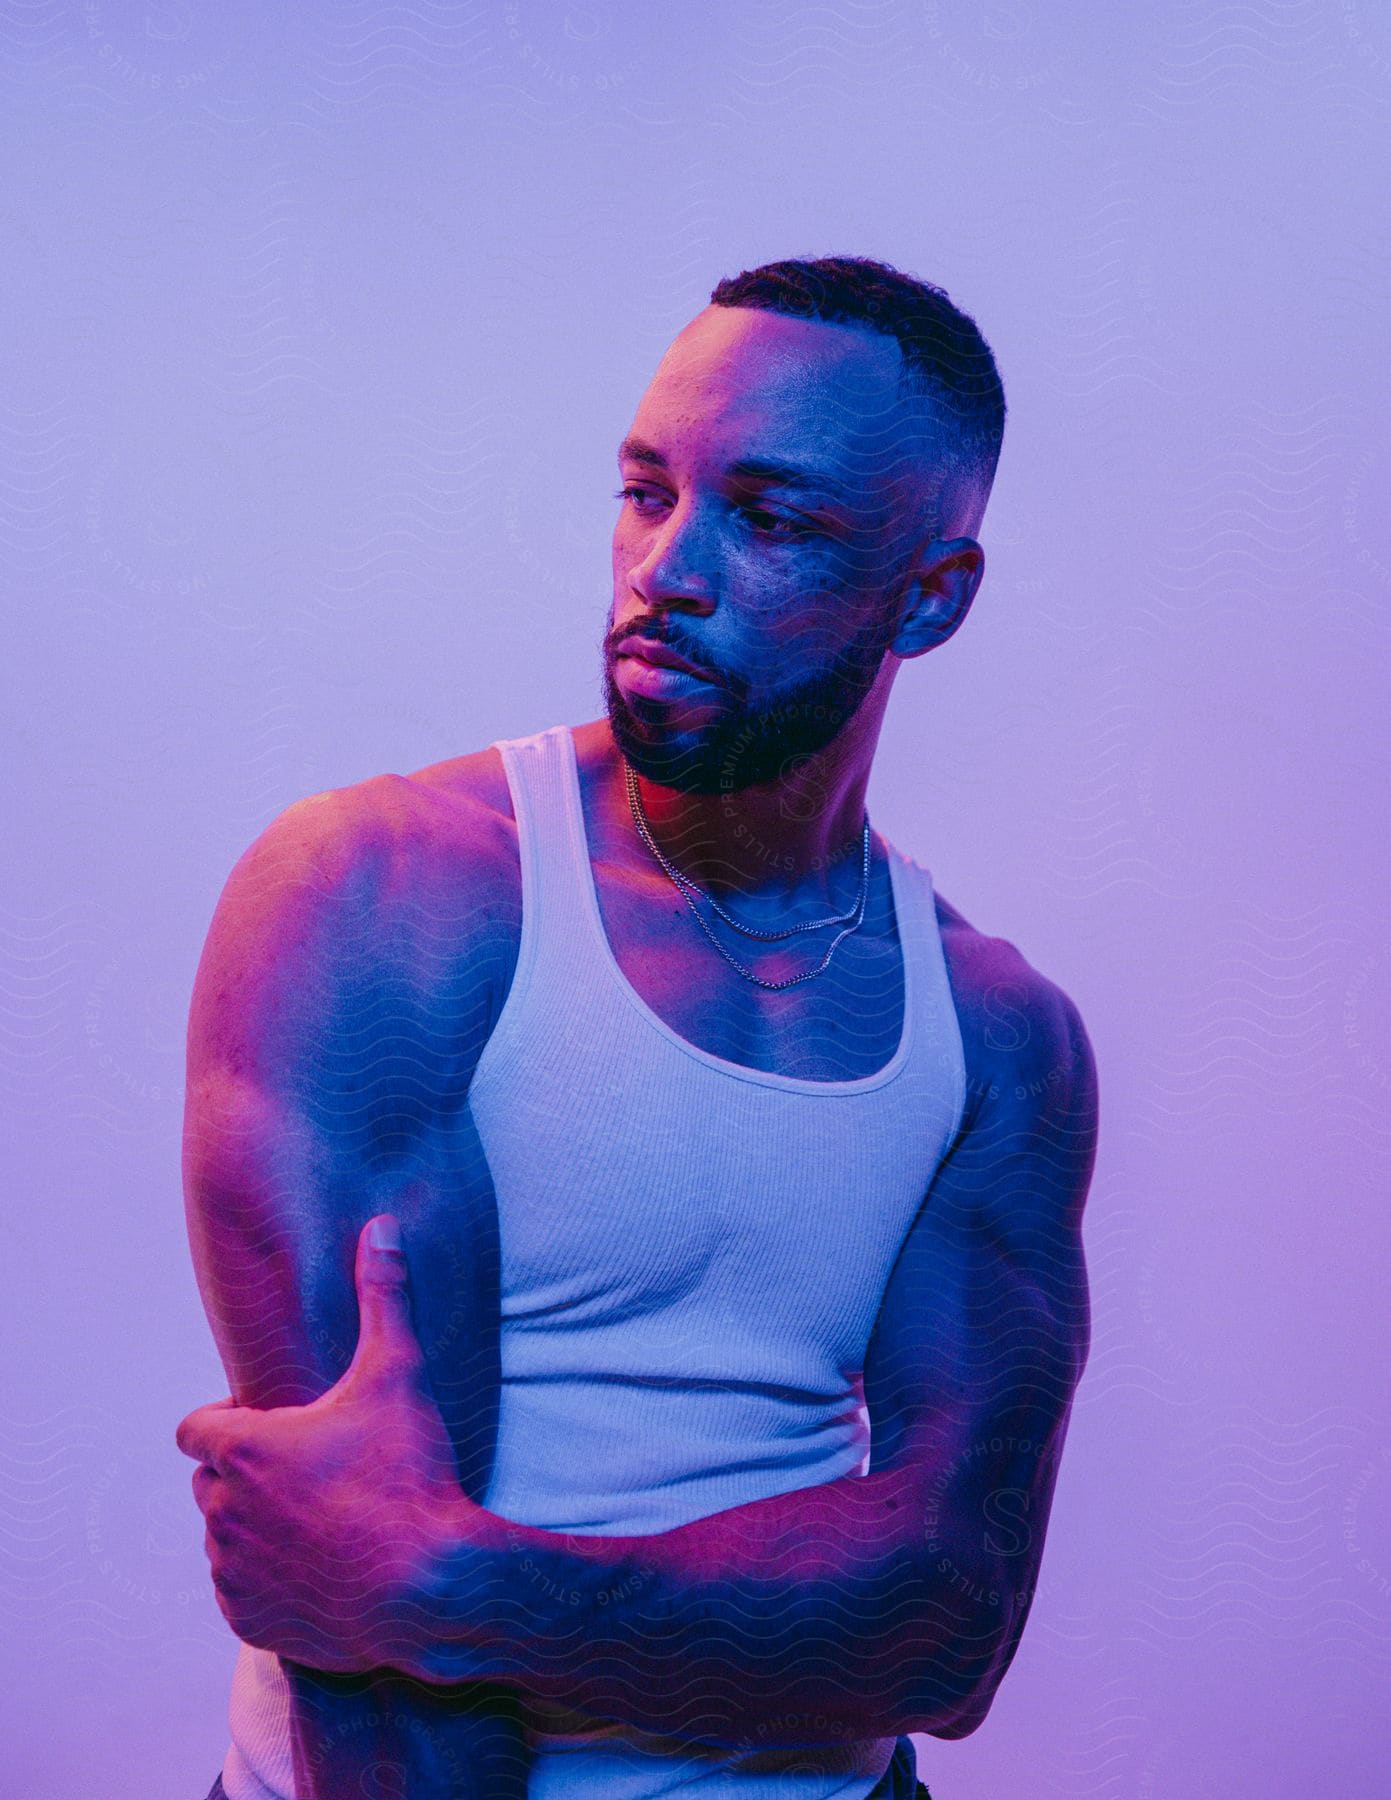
{"x":636,"y":493}
{"x":774,"y":524}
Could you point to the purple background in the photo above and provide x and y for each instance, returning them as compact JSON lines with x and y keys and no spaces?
{"x":321,"y":331}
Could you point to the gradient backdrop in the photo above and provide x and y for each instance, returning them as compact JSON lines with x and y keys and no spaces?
{"x":321,"y":326}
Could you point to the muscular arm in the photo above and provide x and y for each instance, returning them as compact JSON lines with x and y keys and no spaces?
{"x":331,"y":1037}
{"x":984,"y":1332}
{"x":871,"y":1605}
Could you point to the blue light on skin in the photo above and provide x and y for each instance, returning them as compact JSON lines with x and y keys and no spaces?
{"x":783,"y":518}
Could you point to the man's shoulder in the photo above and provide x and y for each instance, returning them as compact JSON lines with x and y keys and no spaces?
{"x":1021,"y":1032}
{"x":1030,"y":1126}
{"x":477,"y":780}
{"x":393,"y":837}
{"x":370,"y":920}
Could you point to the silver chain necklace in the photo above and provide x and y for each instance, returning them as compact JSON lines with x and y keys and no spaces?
{"x":686,"y":887}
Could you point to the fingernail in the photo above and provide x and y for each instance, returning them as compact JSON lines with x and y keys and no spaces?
{"x":385,"y":1233}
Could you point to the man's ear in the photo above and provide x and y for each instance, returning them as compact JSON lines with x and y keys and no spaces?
{"x":938,"y":594}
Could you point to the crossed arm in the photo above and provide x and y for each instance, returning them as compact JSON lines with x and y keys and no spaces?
{"x":868,"y":1606}
{"x":873,"y":1605}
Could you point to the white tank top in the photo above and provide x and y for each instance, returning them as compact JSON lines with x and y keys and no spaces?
{"x":693,"y":1255}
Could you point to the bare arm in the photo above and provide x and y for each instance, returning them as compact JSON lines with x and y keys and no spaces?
{"x":326,"y":1083}
{"x":985,"y":1328}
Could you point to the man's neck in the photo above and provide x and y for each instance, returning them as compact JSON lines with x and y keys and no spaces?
{"x":790,"y":846}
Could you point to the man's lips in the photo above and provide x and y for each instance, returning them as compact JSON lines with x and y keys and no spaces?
{"x":660,"y":657}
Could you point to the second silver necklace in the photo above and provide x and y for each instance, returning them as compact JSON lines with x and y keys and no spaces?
{"x":686,"y":887}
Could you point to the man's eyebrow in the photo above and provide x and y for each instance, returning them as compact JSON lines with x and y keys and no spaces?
{"x":749,"y":468}
{"x":634,"y":450}
{"x":781,"y":474}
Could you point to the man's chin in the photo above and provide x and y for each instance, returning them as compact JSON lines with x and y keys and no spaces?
{"x":664,"y":753}
{"x":660,"y":745}
{"x":727,"y":752}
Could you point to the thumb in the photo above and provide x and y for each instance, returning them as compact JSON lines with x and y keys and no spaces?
{"x":386,"y":1340}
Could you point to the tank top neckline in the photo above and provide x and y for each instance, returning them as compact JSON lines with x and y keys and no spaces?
{"x":579,"y":846}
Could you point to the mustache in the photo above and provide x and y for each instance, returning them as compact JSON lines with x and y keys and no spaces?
{"x":669,"y":641}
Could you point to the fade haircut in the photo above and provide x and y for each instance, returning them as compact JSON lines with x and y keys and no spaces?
{"x":946,"y":361}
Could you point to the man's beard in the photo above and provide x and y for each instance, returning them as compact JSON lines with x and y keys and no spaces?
{"x":749,"y":747}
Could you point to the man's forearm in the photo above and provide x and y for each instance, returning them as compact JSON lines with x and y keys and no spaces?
{"x":812,"y":1616}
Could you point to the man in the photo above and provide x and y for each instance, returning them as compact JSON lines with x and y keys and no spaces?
{"x":635,"y":1038}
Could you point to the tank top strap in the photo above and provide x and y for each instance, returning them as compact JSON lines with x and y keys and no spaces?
{"x":938,"y":1048}
{"x":538,"y":777}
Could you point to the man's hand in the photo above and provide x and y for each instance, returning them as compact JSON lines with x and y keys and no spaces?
{"x":324,"y":1520}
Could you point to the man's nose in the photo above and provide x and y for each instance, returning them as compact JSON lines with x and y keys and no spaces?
{"x":681,"y":565}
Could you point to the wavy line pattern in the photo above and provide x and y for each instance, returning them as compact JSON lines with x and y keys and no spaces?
{"x":314,"y":321}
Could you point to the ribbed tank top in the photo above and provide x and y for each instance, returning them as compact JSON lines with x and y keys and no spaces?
{"x":693,"y":1256}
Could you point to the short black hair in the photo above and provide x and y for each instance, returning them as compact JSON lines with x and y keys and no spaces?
{"x":946,"y":359}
